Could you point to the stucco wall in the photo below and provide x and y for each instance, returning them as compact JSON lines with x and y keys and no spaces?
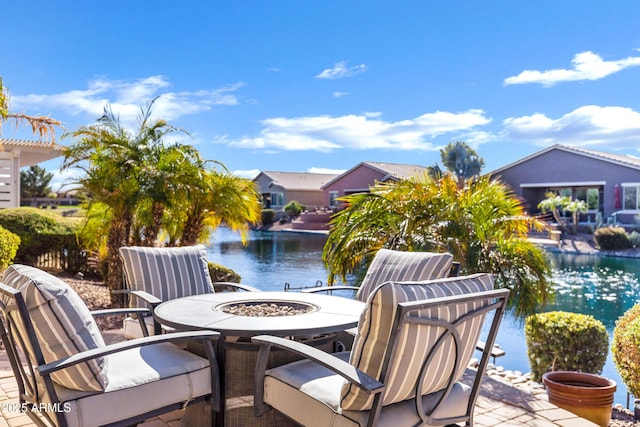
{"x":559,"y":166}
{"x":360,"y":178}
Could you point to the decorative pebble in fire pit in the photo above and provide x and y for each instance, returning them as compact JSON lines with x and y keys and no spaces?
{"x":267,"y":309}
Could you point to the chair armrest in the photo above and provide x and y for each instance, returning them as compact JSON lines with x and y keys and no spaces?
{"x":145,"y":296}
{"x":329,"y":361}
{"x":66,"y":362}
{"x":138,"y":313}
{"x":110,"y":311}
{"x":233,"y":286}
{"x":329,"y":289}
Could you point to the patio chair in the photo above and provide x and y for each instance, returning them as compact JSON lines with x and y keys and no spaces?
{"x":392,"y":265}
{"x":155,"y":275}
{"x":414,"y":343}
{"x":67,"y":376}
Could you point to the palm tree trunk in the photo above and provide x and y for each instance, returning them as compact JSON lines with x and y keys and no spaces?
{"x":152,"y":230}
{"x":116,"y":238}
{"x":192,"y":229}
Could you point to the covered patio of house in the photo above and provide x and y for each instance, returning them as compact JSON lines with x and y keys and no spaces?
{"x":16,"y":154}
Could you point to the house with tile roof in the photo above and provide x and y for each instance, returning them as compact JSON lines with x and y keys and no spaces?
{"x":362,"y":176}
{"x":16,"y":154}
{"x":609,"y":183}
{"x":279,"y":188}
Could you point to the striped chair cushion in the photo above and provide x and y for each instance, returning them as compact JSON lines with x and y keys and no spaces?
{"x":63,"y":326}
{"x":414,"y":341}
{"x":166,"y":273}
{"x":399,"y":266}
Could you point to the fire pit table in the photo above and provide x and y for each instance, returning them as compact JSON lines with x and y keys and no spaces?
{"x":238,"y":316}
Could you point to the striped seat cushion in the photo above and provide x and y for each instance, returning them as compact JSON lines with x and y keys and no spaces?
{"x":414,"y":341}
{"x":166,"y":273}
{"x":399,"y":266}
{"x":63,"y":326}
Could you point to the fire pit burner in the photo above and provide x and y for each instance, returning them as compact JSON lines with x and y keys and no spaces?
{"x":267,"y":308}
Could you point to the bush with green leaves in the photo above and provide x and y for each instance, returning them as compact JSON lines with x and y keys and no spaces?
{"x":9,"y":243}
{"x":293,"y":209}
{"x":612,"y":238}
{"x":564,"y":341}
{"x":220,"y":273}
{"x":625,"y":348}
{"x":268,"y":216}
{"x":43,"y":232}
{"x":634,"y":238}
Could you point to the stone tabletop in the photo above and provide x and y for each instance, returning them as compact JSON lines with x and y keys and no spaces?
{"x":326,"y":313}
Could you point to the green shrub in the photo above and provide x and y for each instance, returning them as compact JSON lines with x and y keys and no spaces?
{"x":625,"y":348}
{"x":268,"y":216}
{"x":634,"y":238}
{"x":612,"y":238}
{"x":42,"y":233}
{"x":293,"y":209}
{"x":9,"y":243}
{"x":563,"y":341}
{"x":220,"y":273}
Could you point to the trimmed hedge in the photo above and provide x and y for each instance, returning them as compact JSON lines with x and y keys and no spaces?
{"x":9,"y":243}
{"x":625,"y":348}
{"x":268,"y":216}
{"x":220,"y":273}
{"x":43,"y":232}
{"x":612,"y":238}
{"x":563,"y":341}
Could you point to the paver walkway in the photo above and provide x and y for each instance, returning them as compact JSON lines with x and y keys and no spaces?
{"x":499,"y":404}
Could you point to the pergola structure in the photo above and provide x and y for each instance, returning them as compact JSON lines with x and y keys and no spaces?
{"x":15,"y":154}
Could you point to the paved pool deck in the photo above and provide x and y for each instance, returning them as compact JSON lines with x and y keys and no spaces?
{"x":499,"y":404}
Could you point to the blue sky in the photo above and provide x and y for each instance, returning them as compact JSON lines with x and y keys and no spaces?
{"x":323,"y":85}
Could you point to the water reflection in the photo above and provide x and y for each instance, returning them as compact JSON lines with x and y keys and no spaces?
{"x":271,"y":259}
{"x":602,"y":287}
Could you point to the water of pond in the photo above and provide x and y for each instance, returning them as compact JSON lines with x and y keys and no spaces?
{"x":601,"y":286}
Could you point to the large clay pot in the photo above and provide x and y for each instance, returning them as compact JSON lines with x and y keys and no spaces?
{"x":587,"y":395}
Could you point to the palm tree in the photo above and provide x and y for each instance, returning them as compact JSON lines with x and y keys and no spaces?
{"x":34,"y":182}
{"x":222,"y":198}
{"x":109,"y":157}
{"x":41,"y":125}
{"x":461,"y":160}
{"x":482,"y":224}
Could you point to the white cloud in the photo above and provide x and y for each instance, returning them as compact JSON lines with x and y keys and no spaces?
{"x":63,"y":180}
{"x":340,"y":94}
{"x":340,"y":70}
{"x":326,"y":170}
{"x":360,"y":132}
{"x":126,"y":98}
{"x":590,"y":125}
{"x":246,"y":173}
{"x":586,"y":66}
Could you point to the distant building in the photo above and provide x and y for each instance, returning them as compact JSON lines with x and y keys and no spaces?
{"x":362,"y":176}
{"x":609,"y":183}
{"x":279,"y":188}
{"x":16,"y":154}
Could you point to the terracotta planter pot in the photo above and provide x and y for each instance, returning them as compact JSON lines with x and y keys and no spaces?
{"x":587,"y":395}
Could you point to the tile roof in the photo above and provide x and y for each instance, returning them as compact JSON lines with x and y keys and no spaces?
{"x":299,"y":180}
{"x":398,"y":170}
{"x":620,"y":159}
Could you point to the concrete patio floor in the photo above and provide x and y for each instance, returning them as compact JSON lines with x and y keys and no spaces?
{"x":499,"y":404}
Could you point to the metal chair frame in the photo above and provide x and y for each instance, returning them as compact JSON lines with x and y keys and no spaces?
{"x":31,"y":394}
{"x":407,"y":313}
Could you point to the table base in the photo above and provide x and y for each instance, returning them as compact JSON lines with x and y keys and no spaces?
{"x":240,"y":358}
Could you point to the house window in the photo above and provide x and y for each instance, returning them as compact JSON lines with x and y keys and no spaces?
{"x":630,"y":196}
{"x":589,"y":195}
{"x":277,"y":199}
{"x":333,"y":198}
